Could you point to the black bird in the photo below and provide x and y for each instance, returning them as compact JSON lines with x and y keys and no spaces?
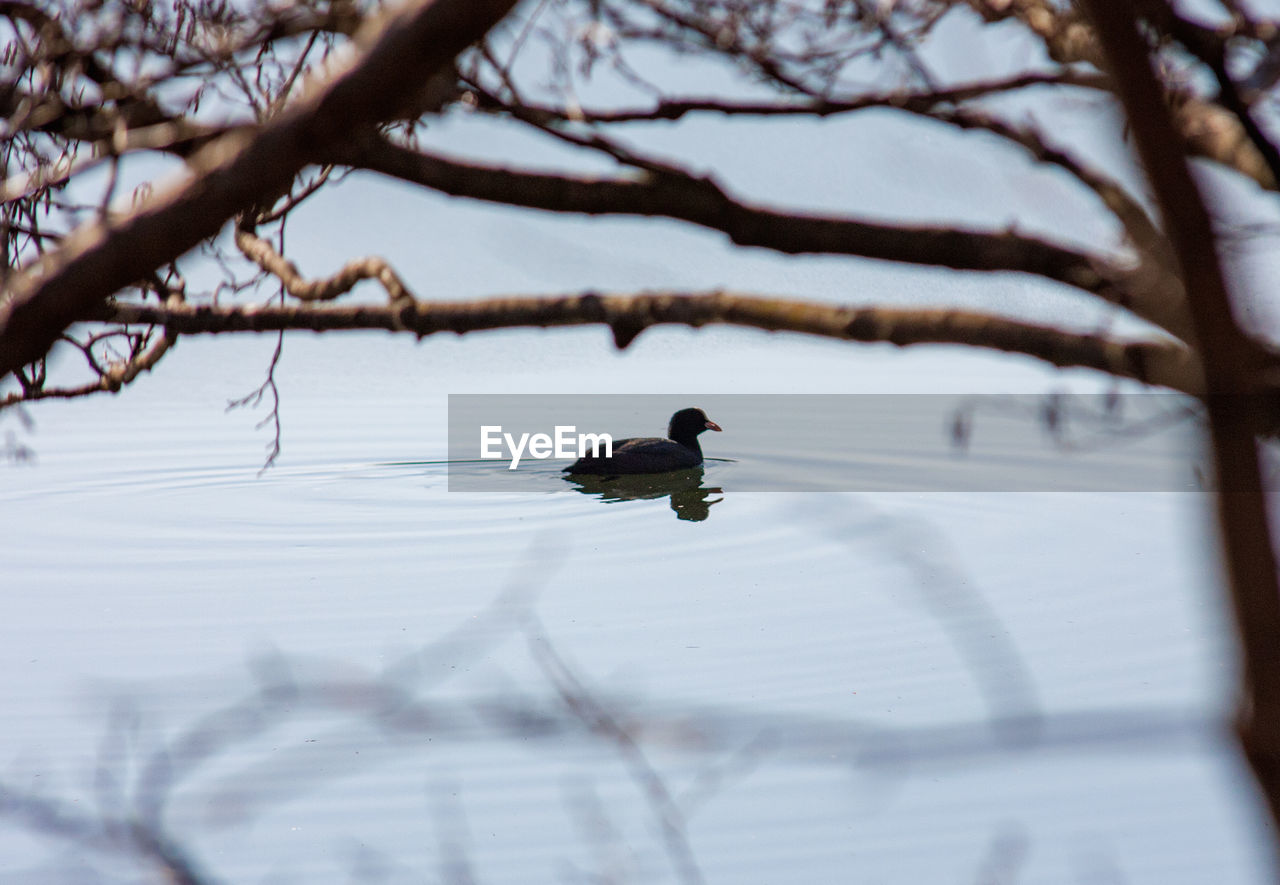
{"x":679,"y":451}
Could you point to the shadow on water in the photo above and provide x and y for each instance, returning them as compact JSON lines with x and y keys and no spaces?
{"x":690,"y":499}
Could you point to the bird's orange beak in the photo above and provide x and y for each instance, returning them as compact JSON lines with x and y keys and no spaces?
{"x":711,"y":425}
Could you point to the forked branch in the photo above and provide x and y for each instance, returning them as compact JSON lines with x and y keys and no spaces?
{"x":401,"y":51}
{"x":703,"y":202}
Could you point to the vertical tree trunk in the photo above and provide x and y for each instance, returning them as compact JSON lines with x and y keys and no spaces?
{"x":1231,"y":362}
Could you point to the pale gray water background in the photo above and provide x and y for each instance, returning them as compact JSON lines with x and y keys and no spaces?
{"x":1131,"y":442}
{"x":814,"y":675}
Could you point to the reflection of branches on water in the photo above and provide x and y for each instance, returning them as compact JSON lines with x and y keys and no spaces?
{"x":452,"y":837}
{"x":388,"y":702}
{"x":1005,"y":857}
{"x":972,"y":625}
{"x":13,"y":449}
{"x":615,"y":859}
{"x":586,"y":709}
{"x":132,"y":816}
{"x":379,"y":715}
{"x":119,"y":835}
{"x":1081,"y":423}
{"x":386,"y":717}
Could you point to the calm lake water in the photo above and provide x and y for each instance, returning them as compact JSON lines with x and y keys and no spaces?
{"x":339,"y":670}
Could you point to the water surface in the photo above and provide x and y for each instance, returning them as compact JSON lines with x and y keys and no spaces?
{"x":875,"y":685}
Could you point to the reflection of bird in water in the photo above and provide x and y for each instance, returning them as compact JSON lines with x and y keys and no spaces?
{"x":679,"y":451}
{"x":688,"y":494}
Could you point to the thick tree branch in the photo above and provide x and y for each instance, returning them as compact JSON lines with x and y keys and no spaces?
{"x":1213,"y":52}
{"x":401,"y":51}
{"x":1232,"y":366}
{"x":1208,"y":130}
{"x":1162,"y":363}
{"x":1142,"y":230}
{"x":939,"y":105}
{"x":701,"y":201}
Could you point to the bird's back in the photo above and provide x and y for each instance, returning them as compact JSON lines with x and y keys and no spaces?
{"x":640,"y":455}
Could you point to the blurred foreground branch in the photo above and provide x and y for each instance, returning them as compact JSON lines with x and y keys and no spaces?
{"x":1233,"y":367}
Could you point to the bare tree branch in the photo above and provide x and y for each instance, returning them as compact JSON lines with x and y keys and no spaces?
{"x":401,"y":51}
{"x":674,"y":109}
{"x":1163,"y":363}
{"x":1146,"y":236}
{"x":1232,"y":372}
{"x":1208,"y":130}
{"x":703,"y":202}
{"x":111,"y":378}
{"x":1213,"y":52}
{"x":261,"y":253}
{"x":179,"y":137}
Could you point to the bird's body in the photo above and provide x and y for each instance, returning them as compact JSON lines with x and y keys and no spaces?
{"x":679,"y":451}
